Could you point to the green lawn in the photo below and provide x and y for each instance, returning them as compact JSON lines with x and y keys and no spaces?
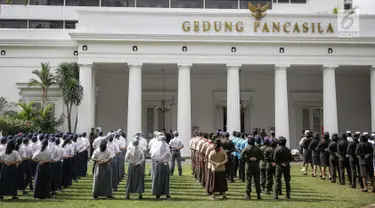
{"x":306,"y":192}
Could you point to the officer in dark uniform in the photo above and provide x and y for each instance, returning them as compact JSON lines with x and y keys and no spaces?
{"x":228,"y":147}
{"x":282,"y":157}
{"x":353,"y":161}
{"x":262,"y":166}
{"x":342,"y":147}
{"x":333,"y":157}
{"x":364,"y":153}
{"x":252,"y":155}
{"x":270,"y":166}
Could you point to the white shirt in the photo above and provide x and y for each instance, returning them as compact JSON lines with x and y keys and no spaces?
{"x":29,"y":150}
{"x":122,"y":142}
{"x":99,"y":155}
{"x":12,"y":157}
{"x":61,"y":153}
{"x":86,"y":143}
{"x":175,"y":143}
{"x":112,"y":148}
{"x":69,"y":150}
{"x":350,"y":139}
{"x":35,"y":147}
{"x":54,"y":151}
{"x":22,"y":152}
{"x":97,"y":141}
{"x":151,"y":143}
{"x":2,"y":147}
{"x":41,"y":156}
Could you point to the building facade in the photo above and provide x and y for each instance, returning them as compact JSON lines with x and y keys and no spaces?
{"x":213,"y":62}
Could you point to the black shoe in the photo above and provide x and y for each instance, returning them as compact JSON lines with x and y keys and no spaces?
{"x":127,"y":196}
{"x":258,"y":196}
{"x":1,"y":198}
{"x":157,"y":197}
{"x":15,"y":198}
{"x":364,"y":190}
{"x":140,"y":197}
{"x":287,"y":196}
{"x":110,"y":197}
{"x":225,"y":197}
{"x":95,"y":197}
{"x":333,"y":181}
{"x":168,"y":197}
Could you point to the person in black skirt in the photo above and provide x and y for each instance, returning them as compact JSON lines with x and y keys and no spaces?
{"x":306,"y":152}
{"x":42,"y":183}
{"x":8,"y":180}
{"x":314,"y":153}
{"x":324,"y":155}
{"x":67,"y":164}
{"x":364,"y":152}
{"x":27,"y":162}
{"x":20,"y":168}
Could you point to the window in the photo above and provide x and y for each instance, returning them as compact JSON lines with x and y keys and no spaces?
{"x":18,"y":2}
{"x":70,"y":24}
{"x":118,"y":3}
{"x":306,"y":119}
{"x":150,"y":120}
{"x":312,"y":119}
{"x":37,"y":105}
{"x":153,"y":3}
{"x":46,"y":24}
{"x":298,"y":1}
{"x":244,"y":3}
{"x":187,"y":3}
{"x":222,"y":4}
{"x":13,"y":23}
{"x":46,"y":2}
{"x":348,"y":6}
{"x":82,"y":2}
{"x":283,"y":1}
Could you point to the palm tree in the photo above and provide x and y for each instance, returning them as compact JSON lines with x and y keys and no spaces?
{"x":46,"y":79}
{"x":27,"y":112}
{"x":67,"y":76}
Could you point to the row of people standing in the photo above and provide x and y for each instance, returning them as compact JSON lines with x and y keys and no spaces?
{"x":46,"y":164}
{"x":212,"y":163}
{"x":341,"y":156}
{"x":106,"y":163}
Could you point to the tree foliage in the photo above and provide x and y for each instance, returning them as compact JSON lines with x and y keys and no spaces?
{"x":67,"y":76}
{"x":45,"y":78}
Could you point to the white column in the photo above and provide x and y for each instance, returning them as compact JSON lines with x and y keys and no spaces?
{"x":184,"y":107}
{"x":233,"y":99}
{"x":329,"y":100}
{"x":281,"y":103}
{"x":372,"y":84}
{"x":134,"y":100}
{"x":93,"y":98}
{"x":85,"y":116}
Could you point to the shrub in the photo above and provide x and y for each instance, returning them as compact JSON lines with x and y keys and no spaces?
{"x":12,"y":126}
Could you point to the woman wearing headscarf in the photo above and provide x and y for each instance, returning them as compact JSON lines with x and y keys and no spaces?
{"x":102,"y":184}
{"x":218,"y":158}
{"x":27,"y":162}
{"x":315,"y":153}
{"x":67,"y":164}
{"x":114,"y":151}
{"x":135,"y":182}
{"x":21,"y":167}
{"x":161,"y":156}
{"x":42,"y":184}
{"x":8,"y":180}
{"x":324,"y":155}
{"x":35,"y":146}
{"x":59,"y":163}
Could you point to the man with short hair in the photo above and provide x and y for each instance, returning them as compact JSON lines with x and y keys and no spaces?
{"x":176,"y":145}
{"x":282,"y":157}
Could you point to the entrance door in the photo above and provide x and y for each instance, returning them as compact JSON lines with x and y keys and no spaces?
{"x":155,"y":120}
{"x":312,"y":119}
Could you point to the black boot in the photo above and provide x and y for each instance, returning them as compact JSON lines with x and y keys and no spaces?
{"x":287,"y":196}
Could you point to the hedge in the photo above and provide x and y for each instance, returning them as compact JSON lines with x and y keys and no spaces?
{"x":12,"y":126}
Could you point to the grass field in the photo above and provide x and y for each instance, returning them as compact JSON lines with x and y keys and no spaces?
{"x":306,"y":192}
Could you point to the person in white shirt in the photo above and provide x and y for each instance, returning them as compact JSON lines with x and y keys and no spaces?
{"x":84,"y":153}
{"x":27,"y":162}
{"x":55,"y":157}
{"x":62,"y":156}
{"x":75,"y":158}
{"x":102,"y":184}
{"x":8,"y":180}
{"x":35,"y":146}
{"x":135,"y":182}
{"x":67,"y":164}
{"x":176,"y":145}
{"x":122,"y":144}
{"x":21,"y":167}
{"x":114,"y":151}
{"x":97,"y":141}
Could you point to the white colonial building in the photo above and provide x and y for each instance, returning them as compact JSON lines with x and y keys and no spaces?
{"x":215,"y":65}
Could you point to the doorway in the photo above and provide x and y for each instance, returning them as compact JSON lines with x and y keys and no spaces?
{"x":312,"y":119}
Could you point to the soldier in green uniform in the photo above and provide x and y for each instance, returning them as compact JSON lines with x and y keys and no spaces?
{"x":252,"y":155}
{"x":282,"y":157}
{"x":262,"y":166}
{"x":270,"y":165}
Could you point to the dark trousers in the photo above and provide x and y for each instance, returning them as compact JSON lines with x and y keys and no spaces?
{"x":229,"y":168}
{"x":356,"y":173}
{"x":263,"y":178}
{"x":54,"y":177}
{"x":253,"y":171}
{"x":344,"y":164}
{"x":59,"y":175}
{"x":270,"y":172}
{"x":241,"y":170}
{"x":176,"y":155}
{"x":333,"y":164}
{"x":28,"y":174}
{"x":280,"y":171}
{"x":235,"y":165}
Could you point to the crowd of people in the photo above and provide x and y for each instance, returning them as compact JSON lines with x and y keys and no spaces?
{"x":347,"y":155}
{"x":254,"y":158}
{"x":46,"y":164}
